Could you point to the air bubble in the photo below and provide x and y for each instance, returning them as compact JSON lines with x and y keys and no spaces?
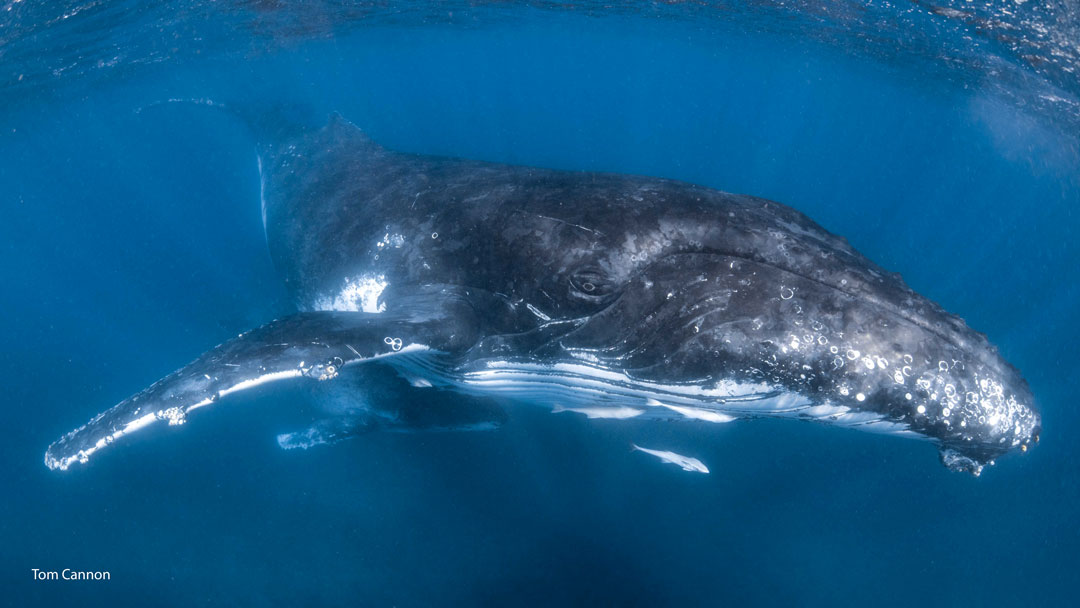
{"x":786,"y":293}
{"x":852,"y":354}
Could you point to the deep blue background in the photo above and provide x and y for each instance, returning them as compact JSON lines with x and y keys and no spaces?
{"x":132,"y":242}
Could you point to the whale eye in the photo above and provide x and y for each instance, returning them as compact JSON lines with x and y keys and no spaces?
{"x":591,"y":284}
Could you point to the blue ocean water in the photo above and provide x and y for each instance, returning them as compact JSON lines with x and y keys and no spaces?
{"x":132,"y":242}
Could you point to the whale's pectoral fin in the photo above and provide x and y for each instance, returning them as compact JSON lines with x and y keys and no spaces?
{"x":315,"y":345}
{"x":381,"y":398}
{"x":333,"y":430}
{"x":326,"y":431}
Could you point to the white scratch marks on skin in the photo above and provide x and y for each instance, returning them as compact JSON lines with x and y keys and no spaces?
{"x":566,"y":223}
{"x":360,"y":294}
{"x":536,"y":311}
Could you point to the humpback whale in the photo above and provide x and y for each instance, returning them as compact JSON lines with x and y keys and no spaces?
{"x":434,"y":292}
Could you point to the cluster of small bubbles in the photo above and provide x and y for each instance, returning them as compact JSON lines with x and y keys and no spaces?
{"x":844,"y":390}
{"x":393,"y":343}
{"x":174,"y":415}
{"x":390,"y":240}
{"x":898,"y":377}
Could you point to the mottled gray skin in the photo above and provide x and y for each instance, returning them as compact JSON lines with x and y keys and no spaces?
{"x":748,"y":273}
{"x":667,"y":282}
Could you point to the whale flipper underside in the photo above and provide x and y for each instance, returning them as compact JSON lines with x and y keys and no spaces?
{"x":310,"y":345}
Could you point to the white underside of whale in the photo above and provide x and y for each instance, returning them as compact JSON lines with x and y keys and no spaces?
{"x":602,"y":393}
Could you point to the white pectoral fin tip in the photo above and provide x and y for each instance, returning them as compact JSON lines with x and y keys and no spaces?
{"x":175,"y":415}
{"x":694,"y":413}
{"x":687,"y":463}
